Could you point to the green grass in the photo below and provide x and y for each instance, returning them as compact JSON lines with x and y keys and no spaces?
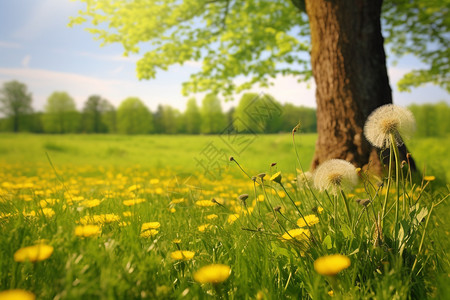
{"x":120,"y":264}
{"x":256,"y":153}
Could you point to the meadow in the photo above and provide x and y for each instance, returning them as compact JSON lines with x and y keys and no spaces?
{"x":139,"y":217}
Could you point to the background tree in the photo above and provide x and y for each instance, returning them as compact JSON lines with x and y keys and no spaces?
{"x":133,"y":117}
{"x":94,"y":114}
{"x":262,"y":39}
{"x":213,"y":119}
{"x":61,"y":115}
{"x":15,"y":102}
{"x":257,"y":113}
{"x":192,"y":117}
{"x":293,"y":115}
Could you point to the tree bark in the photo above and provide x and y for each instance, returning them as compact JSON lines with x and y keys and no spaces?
{"x":349,"y":68}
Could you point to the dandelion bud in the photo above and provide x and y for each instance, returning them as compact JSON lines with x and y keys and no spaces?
{"x":243,"y":197}
{"x":261,"y":175}
{"x":408,"y":155}
{"x":363,"y":202}
{"x":273,"y":164}
{"x":231,"y":158}
{"x":276,"y":177}
{"x":403,"y":163}
{"x":253,"y":178}
{"x":277,"y":208}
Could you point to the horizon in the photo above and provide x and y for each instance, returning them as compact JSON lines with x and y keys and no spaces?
{"x":41,"y":51}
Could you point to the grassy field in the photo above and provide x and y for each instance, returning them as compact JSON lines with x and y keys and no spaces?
{"x":138,"y":217}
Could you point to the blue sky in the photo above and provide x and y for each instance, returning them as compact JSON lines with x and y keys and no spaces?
{"x":39,"y":49}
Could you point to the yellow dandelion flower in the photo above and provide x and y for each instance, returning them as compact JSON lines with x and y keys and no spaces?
{"x":87,"y":230}
{"x":297,"y":234}
{"x":331,"y":293}
{"x":310,"y":220}
{"x":176,"y":241}
{"x":123,"y":224}
{"x":429,"y":178}
{"x":260,"y":198}
{"x":16,"y":295}
{"x":215,"y":273}
{"x":202,"y":228}
{"x":177,"y":201}
{"x":133,"y":202}
{"x":48,"y":212}
{"x":154,"y":181}
{"x":334,"y":175}
{"x":330,"y":265}
{"x":232,"y":218}
{"x":172,"y":210}
{"x":276,"y":177}
{"x":204,"y":203}
{"x":127,"y":214}
{"x":150,"y":225}
{"x":389,"y":120}
{"x":33,"y":253}
{"x":212,"y":216}
{"x":134,"y":187}
{"x":149,"y":233}
{"x":182,"y":255}
{"x":90,"y":203}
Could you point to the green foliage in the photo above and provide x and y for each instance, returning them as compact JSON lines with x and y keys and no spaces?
{"x":167,"y":120}
{"x":257,"y":113}
{"x":15,"y":101}
{"x":133,"y":117}
{"x":213,"y":119}
{"x":192,"y":117}
{"x":98,"y":115}
{"x":61,"y":115}
{"x":255,"y":40}
{"x":420,"y":28}
{"x":293,"y":115}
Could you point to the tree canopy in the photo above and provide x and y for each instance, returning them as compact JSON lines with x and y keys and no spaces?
{"x":241,"y":43}
{"x":15,"y":101}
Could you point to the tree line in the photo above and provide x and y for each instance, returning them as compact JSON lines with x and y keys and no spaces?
{"x":255,"y":113}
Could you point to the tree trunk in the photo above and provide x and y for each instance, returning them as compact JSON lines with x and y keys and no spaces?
{"x":349,"y":68}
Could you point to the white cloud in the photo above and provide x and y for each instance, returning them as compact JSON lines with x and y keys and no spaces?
{"x":26,"y":61}
{"x":4,"y":44}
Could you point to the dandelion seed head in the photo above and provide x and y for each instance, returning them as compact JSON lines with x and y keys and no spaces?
{"x":334,"y":175}
{"x":389,"y":120}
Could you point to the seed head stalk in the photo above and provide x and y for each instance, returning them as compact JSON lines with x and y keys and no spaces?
{"x":397,"y":183}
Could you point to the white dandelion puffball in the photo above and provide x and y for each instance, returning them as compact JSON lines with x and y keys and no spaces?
{"x":334,"y":175}
{"x":386,"y":120}
{"x":304,"y":179}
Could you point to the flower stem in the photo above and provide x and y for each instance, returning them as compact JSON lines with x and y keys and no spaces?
{"x":397,"y":184}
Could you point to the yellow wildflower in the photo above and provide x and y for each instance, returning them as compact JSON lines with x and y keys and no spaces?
{"x":33,"y":253}
{"x":214,"y":273}
{"x":16,"y":295}
{"x":182,"y":255}
{"x":310,"y":220}
{"x":87,"y":230}
{"x":330,"y":265}
{"x":298,"y":234}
